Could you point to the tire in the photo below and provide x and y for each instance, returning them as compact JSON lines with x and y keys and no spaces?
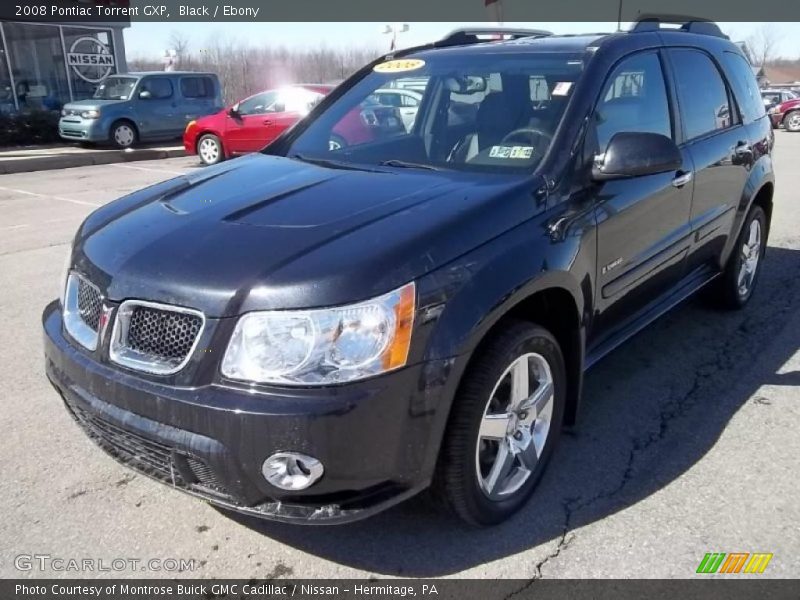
{"x":336,"y":142}
{"x":209,"y":149}
{"x":791,"y":122}
{"x":465,"y":481}
{"x":123,"y":134}
{"x":729,"y":291}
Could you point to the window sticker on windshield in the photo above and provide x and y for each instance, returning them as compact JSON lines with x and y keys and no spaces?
{"x":521,"y":152}
{"x":398,"y":66}
{"x":562,"y":88}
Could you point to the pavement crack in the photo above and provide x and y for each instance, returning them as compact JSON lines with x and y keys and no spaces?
{"x":674,"y":407}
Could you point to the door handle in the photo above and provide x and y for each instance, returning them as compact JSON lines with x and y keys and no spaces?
{"x":682,"y":178}
{"x":267,"y":121}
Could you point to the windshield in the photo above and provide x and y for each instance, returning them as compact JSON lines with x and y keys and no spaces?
{"x":489,"y":112}
{"x":115,"y":88}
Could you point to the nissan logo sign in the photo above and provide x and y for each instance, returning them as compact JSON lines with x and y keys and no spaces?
{"x":91,"y":60}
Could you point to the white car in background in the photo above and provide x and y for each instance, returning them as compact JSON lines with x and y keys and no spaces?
{"x":406,"y":102}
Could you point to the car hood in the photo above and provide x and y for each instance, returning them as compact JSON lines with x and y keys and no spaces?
{"x":265,"y":232}
{"x":89,"y":104}
{"x":784,"y":106}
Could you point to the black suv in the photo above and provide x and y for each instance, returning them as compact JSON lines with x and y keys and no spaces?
{"x":318,"y":331}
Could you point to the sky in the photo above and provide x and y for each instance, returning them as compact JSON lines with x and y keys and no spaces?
{"x":150,"y":40}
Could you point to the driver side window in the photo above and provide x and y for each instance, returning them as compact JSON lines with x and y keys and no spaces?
{"x":258,"y":104}
{"x":634,"y":100}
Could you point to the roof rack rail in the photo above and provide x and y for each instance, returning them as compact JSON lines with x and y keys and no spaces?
{"x":653,"y":22}
{"x":472,"y":35}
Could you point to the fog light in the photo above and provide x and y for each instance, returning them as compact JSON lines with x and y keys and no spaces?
{"x":291,"y":470}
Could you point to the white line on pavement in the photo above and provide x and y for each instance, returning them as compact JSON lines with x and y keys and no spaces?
{"x":27,"y":193}
{"x":148,"y":169}
{"x":37,"y":224}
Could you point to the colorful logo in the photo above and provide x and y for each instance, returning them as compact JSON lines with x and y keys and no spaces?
{"x":735,"y":562}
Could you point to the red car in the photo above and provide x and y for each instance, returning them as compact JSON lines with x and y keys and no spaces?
{"x":251,"y":124}
{"x":786,"y":114}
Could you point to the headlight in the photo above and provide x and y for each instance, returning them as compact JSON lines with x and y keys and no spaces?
{"x":190,"y":124}
{"x":90,"y":114}
{"x":324,"y":346}
{"x":773,"y":110}
{"x":63,"y":112}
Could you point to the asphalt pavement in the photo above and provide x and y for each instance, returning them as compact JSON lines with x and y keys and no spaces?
{"x":688,"y":441}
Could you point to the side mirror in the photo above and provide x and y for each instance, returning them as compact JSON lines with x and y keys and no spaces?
{"x":633,"y":154}
{"x":233,"y":111}
{"x":145,"y":95}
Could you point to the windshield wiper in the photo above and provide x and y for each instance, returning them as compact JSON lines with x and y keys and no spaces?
{"x":403,"y":164}
{"x":333,"y":164}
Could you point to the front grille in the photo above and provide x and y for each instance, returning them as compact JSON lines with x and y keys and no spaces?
{"x":151,"y":457}
{"x":161,"y":333}
{"x":90,"y":303}
{"x":206,"y":477}
{"x":155,"y":338}
{"x":83,"y":308}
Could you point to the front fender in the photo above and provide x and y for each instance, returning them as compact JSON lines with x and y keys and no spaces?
{"x":480,"y":288}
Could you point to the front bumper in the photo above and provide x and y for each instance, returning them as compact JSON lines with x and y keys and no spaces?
{"x":80,"y":129}
{"x":776,"y":118}
{"x":190,"y":141}
{"x":377,"y":439}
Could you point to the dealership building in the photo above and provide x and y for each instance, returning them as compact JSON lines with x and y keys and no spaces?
{"x":44,"y":66}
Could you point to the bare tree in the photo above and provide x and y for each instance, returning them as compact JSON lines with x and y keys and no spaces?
{"x":762,"y":46}
{"x":245,"y":69}
{"x":179,"y":43}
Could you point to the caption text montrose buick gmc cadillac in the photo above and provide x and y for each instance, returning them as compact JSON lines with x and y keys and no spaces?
{"x":316,"y":332}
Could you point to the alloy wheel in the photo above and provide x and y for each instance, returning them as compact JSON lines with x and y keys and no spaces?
{"x":515,"y":426}
{"x":209,"y":150}
{"x":751,"y":253}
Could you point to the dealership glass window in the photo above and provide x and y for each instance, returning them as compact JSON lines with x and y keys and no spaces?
{"x":90,"y":59}
{"x":37,"y":64}
{"x":7,"y":104}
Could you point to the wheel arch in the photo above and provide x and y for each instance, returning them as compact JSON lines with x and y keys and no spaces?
{"x":763,"y":198}
{"x":553,"y":301}
{"x":127,"y":120}
{"x":792,"y":110}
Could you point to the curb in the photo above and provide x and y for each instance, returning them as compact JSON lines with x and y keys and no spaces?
{"x":103,"y":157}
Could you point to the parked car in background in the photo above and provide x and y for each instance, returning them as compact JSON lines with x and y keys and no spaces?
{"x":133,"y":107}
{"x":252,"y":123}
{"x":786,"y":113}
{"x":774,"y":97}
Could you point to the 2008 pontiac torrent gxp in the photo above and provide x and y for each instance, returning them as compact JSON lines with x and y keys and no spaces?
{"x":318,"y":331}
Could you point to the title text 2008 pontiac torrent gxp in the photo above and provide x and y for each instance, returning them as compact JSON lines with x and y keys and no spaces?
{"x":318,"y":331}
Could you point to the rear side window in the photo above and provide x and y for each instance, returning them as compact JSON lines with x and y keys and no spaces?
{"x":634,"y":100}
{"x":745,"y":86}
{"x":197,"y":87}
{"x":702,"y":93}
{"x":159,"y":87}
